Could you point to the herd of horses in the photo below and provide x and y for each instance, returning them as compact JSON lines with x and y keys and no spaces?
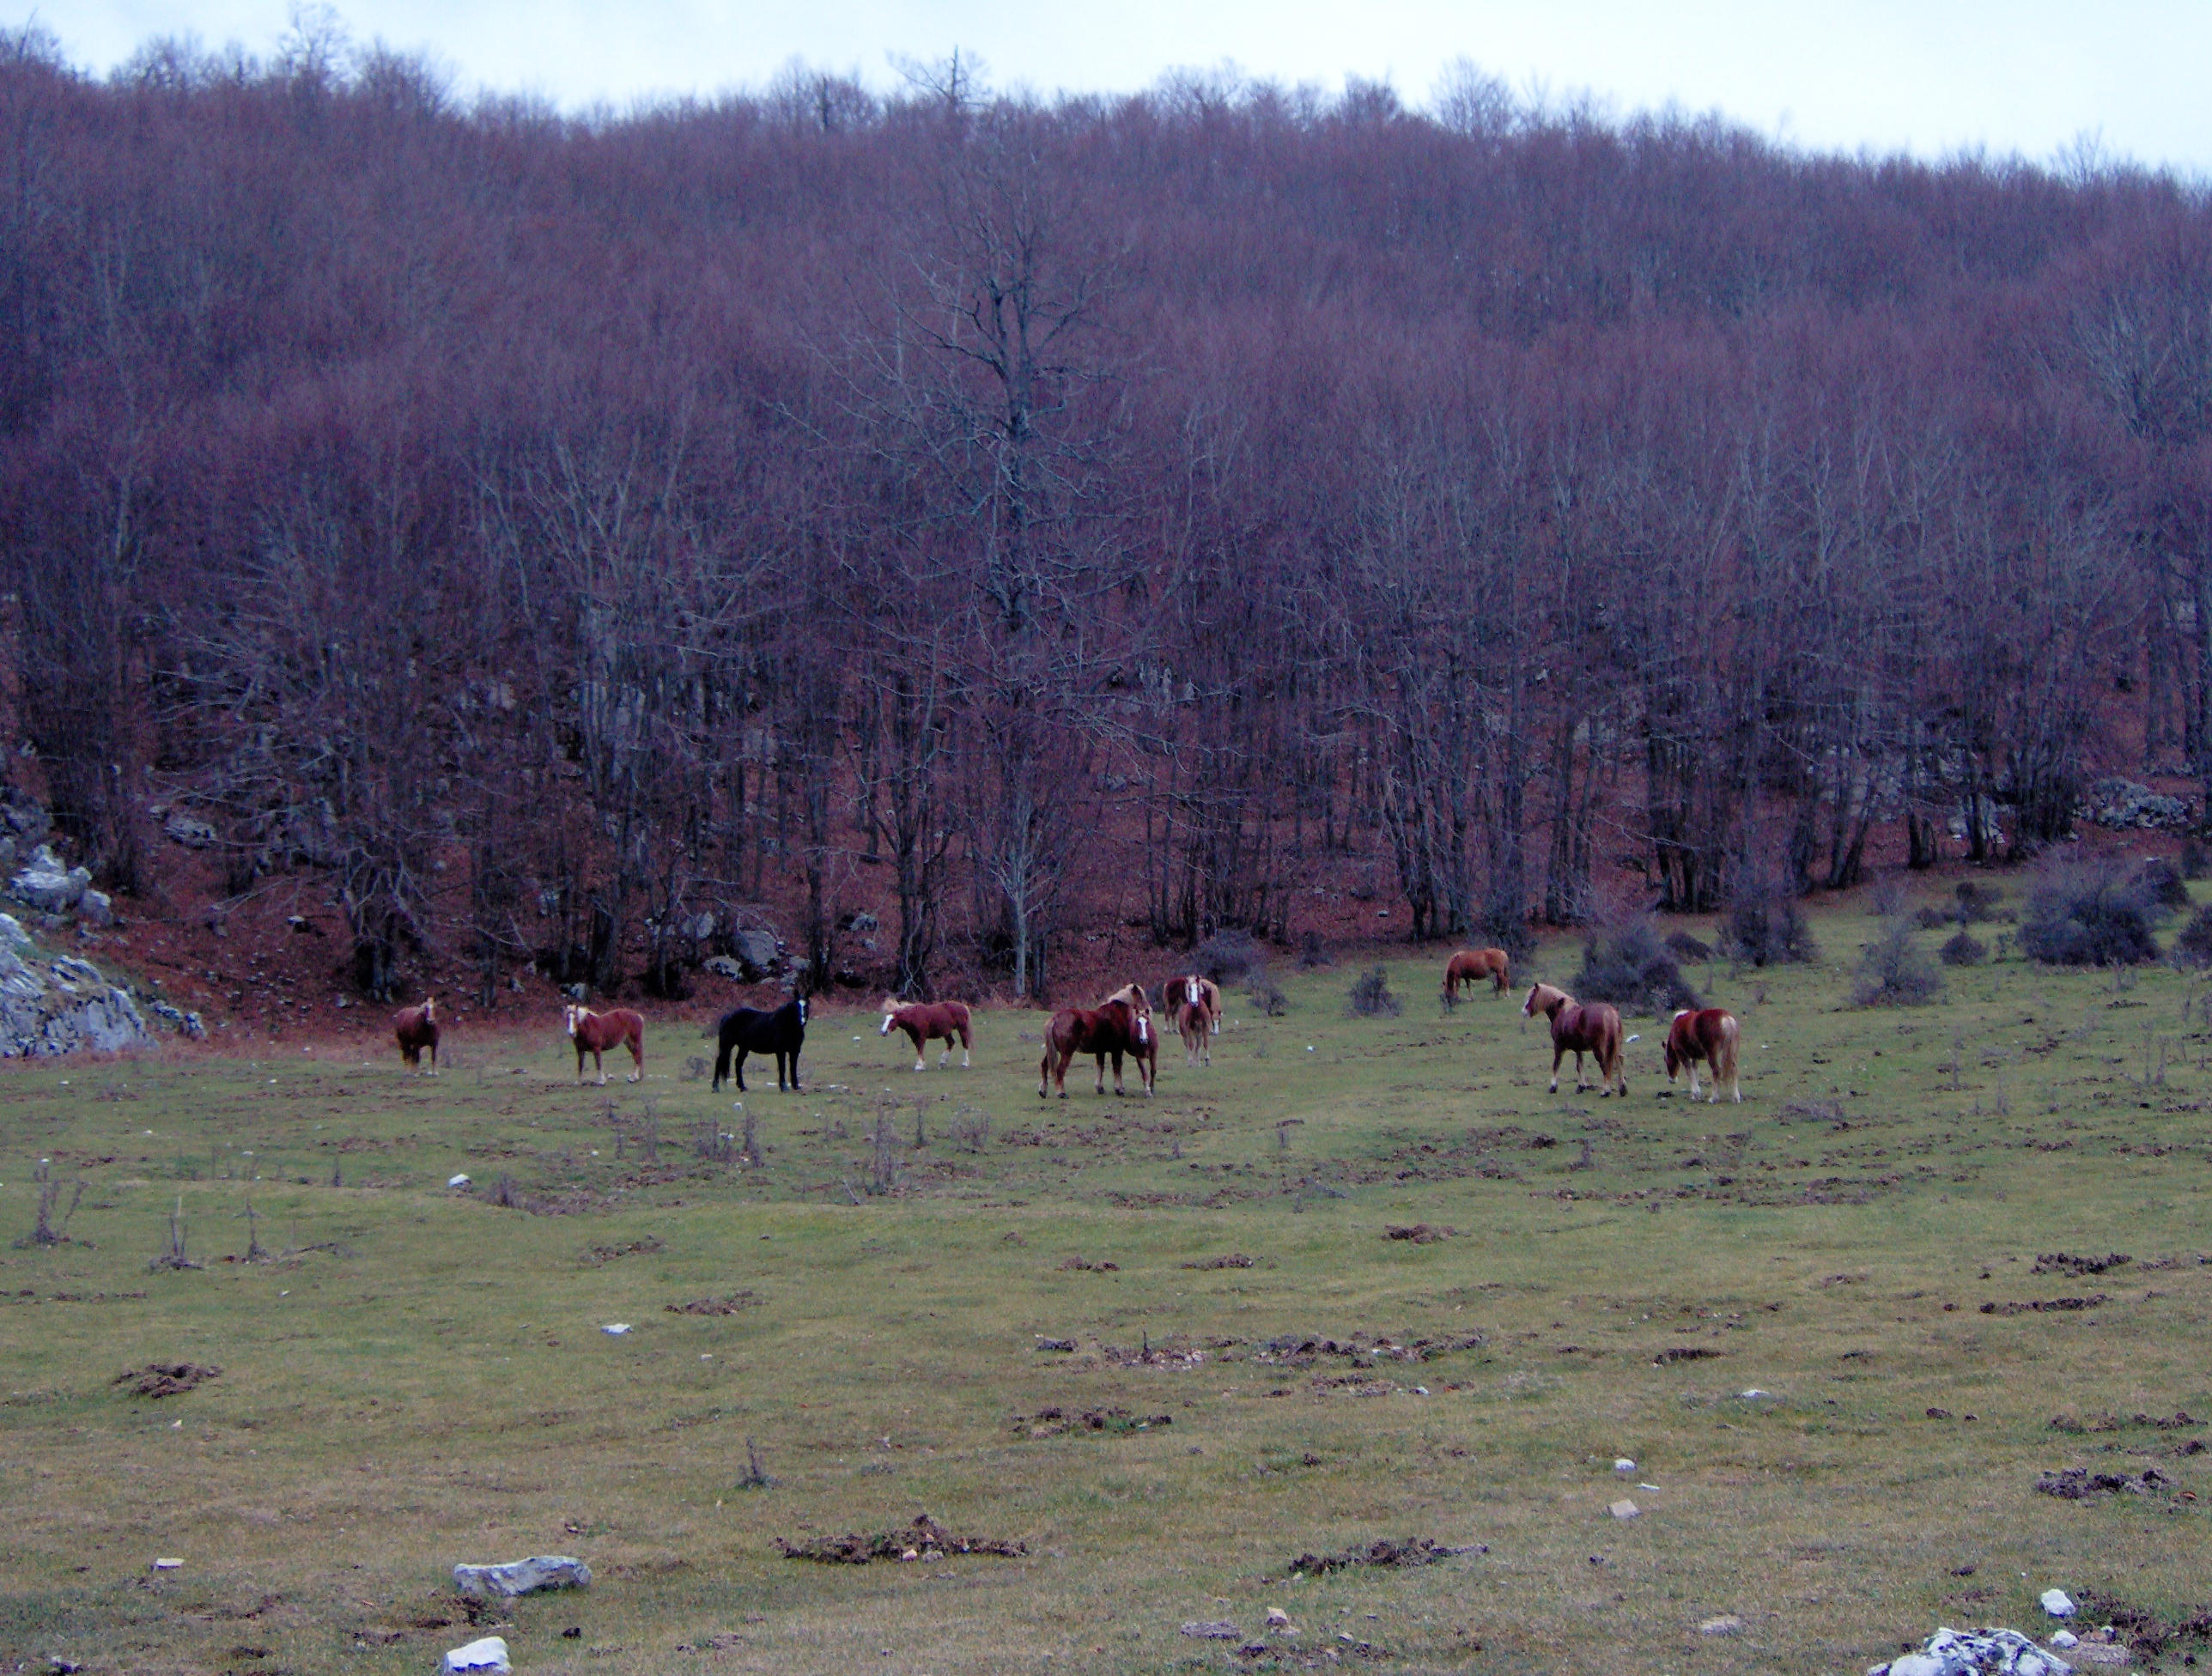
{"x":1120,"y":1028}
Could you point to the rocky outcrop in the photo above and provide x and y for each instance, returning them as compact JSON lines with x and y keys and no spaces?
{"x":2123,"y":803}
{"x":53,"y":1005}
{"x":45,"y":884}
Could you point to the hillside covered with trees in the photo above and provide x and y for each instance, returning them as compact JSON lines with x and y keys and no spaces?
{"x":552,"y":536}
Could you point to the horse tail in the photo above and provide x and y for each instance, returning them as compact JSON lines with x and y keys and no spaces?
{"x":1729,"y":1034}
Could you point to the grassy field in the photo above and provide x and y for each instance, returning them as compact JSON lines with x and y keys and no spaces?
{"x":417,"y":1376}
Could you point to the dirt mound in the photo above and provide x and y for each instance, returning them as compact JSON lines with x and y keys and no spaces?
{"x":1095,"y":1268}
{"x":1234,"y":1260}
{"x":1059,"y":1422}
{"x":925,"y":1539}
{"x":2061,"y":1262}
{"x":1674,"y":1353}
{"x":2077,"y":1483}
{"x":714,"y":1306}
{"x":608,"y":1253}
{"x":1420,"y":1233}
{"x":164,"y":1379}
{"x":1414,"y":1551}
{"x":2043,"y":1306}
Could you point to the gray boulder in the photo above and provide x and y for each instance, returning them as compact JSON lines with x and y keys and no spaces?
{"x":46,"y":885}
{"x":49,"y":1008}
{"x":12,"y":934}
{"x":522,"y":1576}
{"x":96,"y":908}
{"x":723,"y":966}
{"x":1976,"y":1652}
{"x":192,"y":834}
{"x":757,"y":949}
{"x":2124,"y":804}
{"x":487,"y":1657}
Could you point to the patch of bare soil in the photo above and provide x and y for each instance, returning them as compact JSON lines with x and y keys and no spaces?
{"x":2043,"y":1305}
{"x":1085,"y":1263}
{"x":1421,"y":1233}
{"x":607,"y":1253}
{"x":925,"y":1539}
{"x":1112,"y":1422}
{"x":1298,"y":1351}
{"x":2149,"y":1636}
{"x":1674,"y":1353}
{"x":2061,"y":1262}
{"x":164,"y":1379}
{"x":1234,"y":1260}
{"x":1415,"y":1551}
{"x":714,"y":1306}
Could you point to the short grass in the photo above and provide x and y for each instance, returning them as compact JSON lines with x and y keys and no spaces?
{"x":418,"y":1376}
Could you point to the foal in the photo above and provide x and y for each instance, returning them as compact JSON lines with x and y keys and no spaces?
{"x":593,"y":1033}
{"x":1708,"y":1034}
{"x":925,"y":1022}
{"x":1191,"y":1021}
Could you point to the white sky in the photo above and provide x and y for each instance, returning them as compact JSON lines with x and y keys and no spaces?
{"x":1931,"y":76}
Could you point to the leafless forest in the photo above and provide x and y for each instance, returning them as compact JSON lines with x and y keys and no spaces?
{"x":552,"y":536}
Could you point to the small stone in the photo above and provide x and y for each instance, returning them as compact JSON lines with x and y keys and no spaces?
{"x":1212,"y":1630}
{"x":1623,"y":1466}
{"x":1624,"y":1508}
{"x":1727,"y":1624}
{"x":2056,"y":1603}
{"x":1755,"y":1394}
{"x":1278,"y":1618}
{"x":521,"y":1576}
{"x":615,"y":1329}
{"x":167,"y":1565}
{"x":488,"y":1654}
{"x":458,"y":1184}
{"x":2065,"y":1638}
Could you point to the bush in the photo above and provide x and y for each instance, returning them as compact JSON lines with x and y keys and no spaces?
{"x":1228,"y":955}
{"x":1977,"y":902}
{"x":2196,"y":859}
{"x":1895,"y":973}
{"x":1265,"y":993}
{"x":1313,"y":952}
{"x":1764,"y":929}
{"x":1683,"y":946}
{"x":2193,"y":947}
{"x":1370,"y":997}
{"x":2163,"y":880}
{"x":1630,"y":967}
{"x":1964,"y":950}
{"x":2091,"y":914}
{"x":1935,"y":918}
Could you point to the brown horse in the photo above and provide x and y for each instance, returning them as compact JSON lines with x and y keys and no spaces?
{"x":1471,"y":967}
{"x":1708,"y":1034}
{"x":593,"y":1033}
{"x":1578,"y":1029}
{"x":1192,"y":988}
{"x":926,"y":1022}
{"x":1192,"y":1019}
{"x":1121,"y":1025}
{"x":417,"y":1029}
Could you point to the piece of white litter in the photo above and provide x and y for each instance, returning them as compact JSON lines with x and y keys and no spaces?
{"x":709,"y":1357}
{"x":1755,"y":1394}
{"x":1420,"y":1390}
{"x":456,"y":1182}
{"x":168,"y":1565}
{"x":176,"y":1425}
{"x":1309,"y":1046}
{"x":1623,"y":1464}
{"x":615,"y":1329}
{"x":488,"y":1654}
{"x":2056,"y":1603}
{"x":1647,"y":1487}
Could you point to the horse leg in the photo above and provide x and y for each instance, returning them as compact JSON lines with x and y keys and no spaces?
{"x":741,"y":1051}
{"x":1557,"y":1054}
{"x":637,"y":1062}
{"x":1693,"y":1079}
{"x":964,"y":1064}
{"x":600,"y":1064}
{"x":1579,"y":1087}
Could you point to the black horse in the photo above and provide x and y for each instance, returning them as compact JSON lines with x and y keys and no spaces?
{"x":749,"y":1031}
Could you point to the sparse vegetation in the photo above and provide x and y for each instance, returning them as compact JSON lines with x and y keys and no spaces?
{"x":2091,"y":913}
{"x":1964,"y":950}
{"x":1894,"y":972}
{"x":1370,"y":998}
{"x":1632,"y":968}
{"x":1266,"y":995}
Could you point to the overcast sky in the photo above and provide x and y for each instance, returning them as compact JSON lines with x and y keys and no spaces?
{"x":1931,"y":76}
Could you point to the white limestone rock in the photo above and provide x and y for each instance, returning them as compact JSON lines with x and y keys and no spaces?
{"x":487,"y":1656}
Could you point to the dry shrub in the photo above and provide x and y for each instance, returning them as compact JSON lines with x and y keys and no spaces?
{"x":2196,"y":859}
{"x":2091,"y":913}
{"x":2193,"y":947}
{"x":1632,"y":968}
{"x":1370,"y":997}
{"x":1766,"y":928}
{"x":1964,"y":950}
{"x":1893,"y":972}
{"x":1265,"y":993}
{"x":1228,"y":955}
{"x":1683,"y":946}
{"x":2162,"y":879}
{"x":1977,"y":902}
{"x":1314,"y":952}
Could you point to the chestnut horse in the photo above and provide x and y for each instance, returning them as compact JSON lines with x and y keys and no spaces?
{"x":1708,"y":1034}
{"x":1192,"y":1019}
{"x":417,"y":1029}
{"x":753,"y":1030}
{"x":1578,"y":1029}
{"x":1204,"y":990}
{"x":593,"y":1033}
{"x":1471,"y":967}
{"x":1121,"y":1025}
{"x":926,"y":1022}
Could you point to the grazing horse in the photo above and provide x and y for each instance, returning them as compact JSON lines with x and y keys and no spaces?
{"x":1578,"y":1029}
{"x":1121,"y":1025}
{"x":1708,"y":1034}
{"x":417,"y":1029}
{"x":750,"y":1031}
{"x":926,"y":1022}
{"x":1191,"y":1020}
{"x":1471,"y":966}
{"x":593,"y":1033}
{"x":1204,"y":990}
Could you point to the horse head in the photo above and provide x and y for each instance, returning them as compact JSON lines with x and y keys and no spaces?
{"x":799,"y":1001}
{"x":890,"y":1011}
{"x":570,"y":1015}
{"x":1545,"y":999}
{"x":431,"y":1010}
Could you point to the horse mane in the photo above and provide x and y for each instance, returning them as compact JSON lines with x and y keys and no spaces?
{"x":1130,"y":995}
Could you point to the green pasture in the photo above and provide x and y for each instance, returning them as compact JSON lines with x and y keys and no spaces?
{"x":415,"y":1375}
